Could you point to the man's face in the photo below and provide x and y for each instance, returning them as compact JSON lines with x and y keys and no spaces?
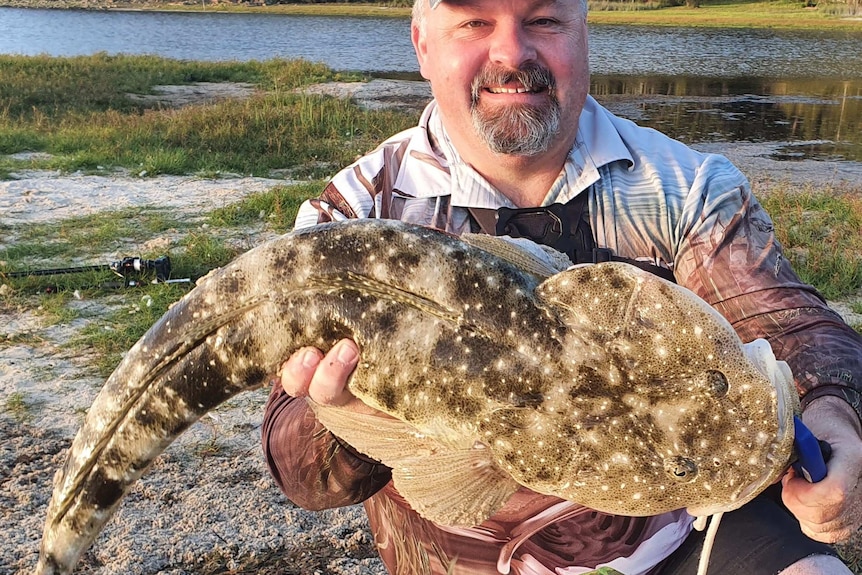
{"x":508,"y":74}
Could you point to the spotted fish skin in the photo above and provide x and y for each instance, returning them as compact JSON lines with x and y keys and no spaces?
{"x":575,"y":385}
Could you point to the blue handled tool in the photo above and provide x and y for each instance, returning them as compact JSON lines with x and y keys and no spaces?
{"x":811,"y":454}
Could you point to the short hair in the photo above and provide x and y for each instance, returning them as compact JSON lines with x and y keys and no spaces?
{"x":419,"y":7}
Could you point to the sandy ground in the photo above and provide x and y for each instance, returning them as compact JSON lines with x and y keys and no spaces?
{"x":208,"y":505}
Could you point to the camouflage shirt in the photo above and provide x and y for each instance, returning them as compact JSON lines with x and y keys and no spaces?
{"x":650,"y":198}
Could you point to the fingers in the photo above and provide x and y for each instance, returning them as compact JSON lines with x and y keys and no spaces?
{"x":823,"y":509}
{"x":323,"y":378}
{"x":830,"y":510}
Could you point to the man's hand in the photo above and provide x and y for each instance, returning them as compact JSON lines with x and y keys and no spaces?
{"x":323,"y":378}
{"x":831,"y":510}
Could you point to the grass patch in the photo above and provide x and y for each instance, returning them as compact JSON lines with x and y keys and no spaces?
{"x":787,"y":14}
{"x":45,"y":89}
{"x":110,"y":337}
{"x":277,"y":207}
{"x":77,"y":110}
{"x":17,"y":406}
{"x":74,"y":244}
{"x":821,"y":232}
{"x":56,"y":309}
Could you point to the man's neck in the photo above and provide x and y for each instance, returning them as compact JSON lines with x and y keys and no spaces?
{"x":524,"y":180}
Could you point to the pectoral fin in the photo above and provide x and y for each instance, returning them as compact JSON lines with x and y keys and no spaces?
{"x":445,"y":483}
{"x":380,"y":437}
{"x":454,"y":488}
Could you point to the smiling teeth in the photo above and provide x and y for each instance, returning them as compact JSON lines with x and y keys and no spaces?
{"x":508,"y":90}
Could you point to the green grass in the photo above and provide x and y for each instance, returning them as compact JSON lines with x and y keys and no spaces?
{"x":17,"y":406}
{"x":77,"y":110}
{"x":785,"y":14}
{"x":194,"y":252}
{"x":277,"y":207}
{"x":821,"y":232}
{"x":45,"y":89}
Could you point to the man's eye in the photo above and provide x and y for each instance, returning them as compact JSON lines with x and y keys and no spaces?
{"x":543,"y":22}
{"x":474,"y":24}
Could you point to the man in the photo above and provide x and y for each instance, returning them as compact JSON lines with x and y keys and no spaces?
{"x":511,"y":126}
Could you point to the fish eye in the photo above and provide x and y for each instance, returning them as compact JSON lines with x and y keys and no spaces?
{"x":681,"y":469}
{"x":716,"y":382}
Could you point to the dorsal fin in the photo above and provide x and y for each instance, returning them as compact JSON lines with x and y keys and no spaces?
{"x":527,"y":255}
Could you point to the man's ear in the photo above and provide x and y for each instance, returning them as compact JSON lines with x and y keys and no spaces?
{"x":420,"y":46}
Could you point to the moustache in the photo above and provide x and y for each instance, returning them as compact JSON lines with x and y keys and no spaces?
{"x":533,"y":77}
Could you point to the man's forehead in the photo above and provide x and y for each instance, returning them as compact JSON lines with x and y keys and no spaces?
{"x":435,"y":3}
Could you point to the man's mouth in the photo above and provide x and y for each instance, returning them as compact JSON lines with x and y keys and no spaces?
{"x":502,"y":90}
{"x":531,"y":79}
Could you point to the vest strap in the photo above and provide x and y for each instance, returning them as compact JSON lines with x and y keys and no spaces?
{"x":564,"y":227}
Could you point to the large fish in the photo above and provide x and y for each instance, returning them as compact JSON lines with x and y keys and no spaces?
{"x":603,"y":384}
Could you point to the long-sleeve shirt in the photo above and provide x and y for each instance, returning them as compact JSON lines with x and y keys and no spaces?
{"x":650,"y":198}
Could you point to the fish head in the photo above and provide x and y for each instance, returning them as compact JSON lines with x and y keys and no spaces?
{"x":667,"y":408}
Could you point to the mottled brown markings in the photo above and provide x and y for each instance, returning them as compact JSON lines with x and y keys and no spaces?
{"x":590,"y":382}
{"x":387,"y":321}
{"x":698,"y":421}
{"x":505,"y":387}
{"x":102,"y":490}
{"x":463,"y":405}
{"x":615,"y":280}
{"x":408,"y":260}
{"x":457,"y":256}
{"x":532,"y":399}
{"x":235,"y":283}
{"x":387,"y":396}
{"x":447,"y":352}
{"x":358,"y":292}
{"x":388,"y":236}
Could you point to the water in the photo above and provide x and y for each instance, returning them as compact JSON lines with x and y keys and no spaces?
{"x":697,"y":85}
{"x":340,"y":42}
{"x":383,"y":44}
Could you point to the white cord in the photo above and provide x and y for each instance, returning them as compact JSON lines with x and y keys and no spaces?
{"x":708,"y":541}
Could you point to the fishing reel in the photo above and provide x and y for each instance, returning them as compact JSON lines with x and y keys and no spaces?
{"x":135,"y":266}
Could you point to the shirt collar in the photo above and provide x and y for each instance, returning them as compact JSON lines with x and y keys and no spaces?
{"x":598,"y":143}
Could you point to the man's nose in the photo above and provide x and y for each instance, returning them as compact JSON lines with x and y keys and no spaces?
{"x":511,"y":45}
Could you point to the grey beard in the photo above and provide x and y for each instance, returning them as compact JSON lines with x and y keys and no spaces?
{"x":517,"y":130}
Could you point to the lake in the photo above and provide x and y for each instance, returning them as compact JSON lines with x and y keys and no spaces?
{"x":698,"y":85}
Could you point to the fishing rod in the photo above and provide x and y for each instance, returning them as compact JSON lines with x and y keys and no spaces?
{"x":128,"y":268}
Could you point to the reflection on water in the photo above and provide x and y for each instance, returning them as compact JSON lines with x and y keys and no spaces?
{"x":822,"y":119}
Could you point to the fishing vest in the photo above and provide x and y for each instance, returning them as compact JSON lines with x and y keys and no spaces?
{"x":564,"y":227}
